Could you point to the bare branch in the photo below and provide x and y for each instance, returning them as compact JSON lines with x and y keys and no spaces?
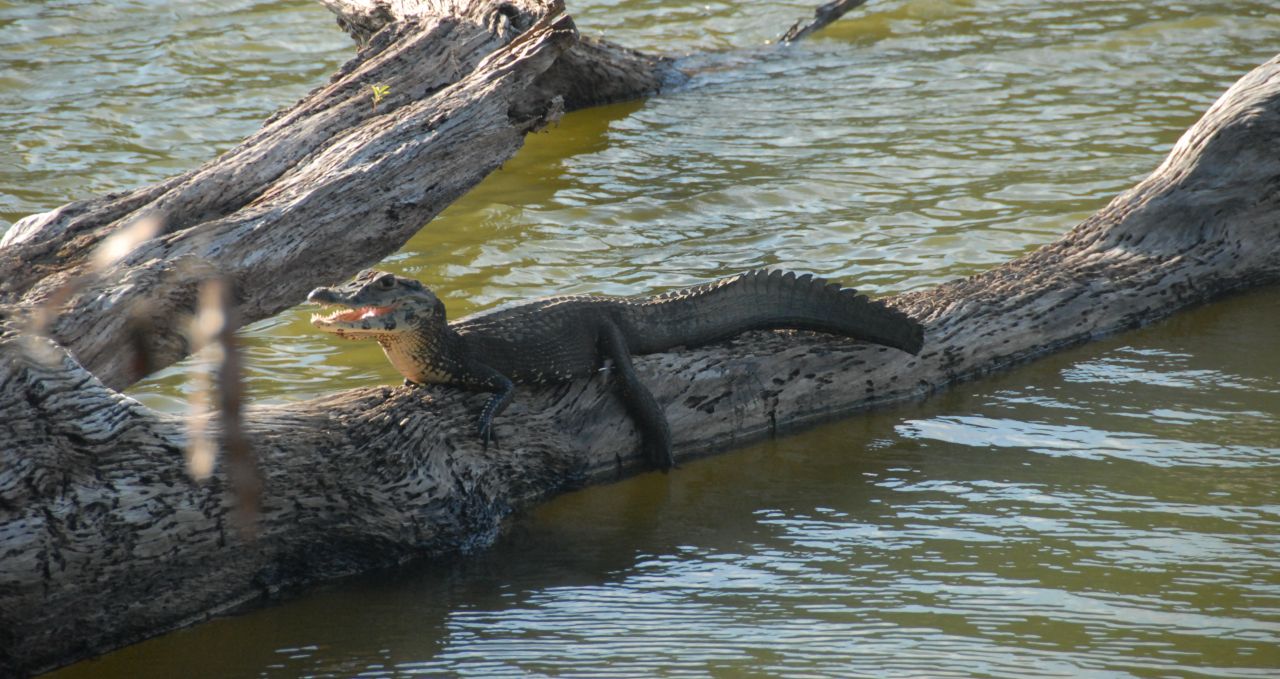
{"x":822,"y":16}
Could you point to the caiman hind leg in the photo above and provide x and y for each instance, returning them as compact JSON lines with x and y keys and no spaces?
{"x":649,"y":416}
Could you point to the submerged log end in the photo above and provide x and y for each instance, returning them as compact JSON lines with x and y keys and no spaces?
{"x":597,"y":72}
{"x":1215,"y":199}
{"x":360,"y":18}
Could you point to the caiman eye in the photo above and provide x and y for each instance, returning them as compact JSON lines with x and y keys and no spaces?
{"x":387,"y":282}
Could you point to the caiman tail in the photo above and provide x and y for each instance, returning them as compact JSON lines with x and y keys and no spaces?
{"x":758,"y":300}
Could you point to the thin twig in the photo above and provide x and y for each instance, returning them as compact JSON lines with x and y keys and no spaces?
{"x":821,"y":17}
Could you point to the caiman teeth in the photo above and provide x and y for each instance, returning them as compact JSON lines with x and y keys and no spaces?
{"x":329,"y":317}
{"x":351,"y":315}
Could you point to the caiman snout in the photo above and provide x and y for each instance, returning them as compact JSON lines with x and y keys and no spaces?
{"x":372,"y":306}
{"x":322,"y":296}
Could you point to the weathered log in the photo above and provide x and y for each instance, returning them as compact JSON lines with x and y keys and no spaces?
{"x":104,"y":540}
{"x":276,"y":213}
{"x":264,"y":212}
{"x":437,"y":147}
{"x":593,"y":72}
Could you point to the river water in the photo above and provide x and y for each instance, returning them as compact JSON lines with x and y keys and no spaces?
{"x":1110,"y":511}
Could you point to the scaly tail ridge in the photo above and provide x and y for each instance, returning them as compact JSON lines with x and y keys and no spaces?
{"x":763,"y":299}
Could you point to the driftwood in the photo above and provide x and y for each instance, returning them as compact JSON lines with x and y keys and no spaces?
{"x":105,"y":540}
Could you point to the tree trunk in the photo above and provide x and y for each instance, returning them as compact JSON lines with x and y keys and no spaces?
{"x":105,"y":540}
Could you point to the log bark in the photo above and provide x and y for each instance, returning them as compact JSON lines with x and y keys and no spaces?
{"x":593,"y":72}
{"x":105,"y":540}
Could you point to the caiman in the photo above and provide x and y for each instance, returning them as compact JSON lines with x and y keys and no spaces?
{"x":557,"y":339}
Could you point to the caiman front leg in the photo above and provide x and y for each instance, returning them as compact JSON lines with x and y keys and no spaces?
{"x":652,"y":421}
{"x":481,"y":377}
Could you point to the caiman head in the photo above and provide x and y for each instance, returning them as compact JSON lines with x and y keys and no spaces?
{"x":403,"y":315}
{"x":377,"y":305}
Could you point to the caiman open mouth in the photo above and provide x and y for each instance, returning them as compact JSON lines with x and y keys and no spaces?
{"x":352,"y":315}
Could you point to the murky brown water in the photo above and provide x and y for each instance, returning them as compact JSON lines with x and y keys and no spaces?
{"x":1109,"y":511}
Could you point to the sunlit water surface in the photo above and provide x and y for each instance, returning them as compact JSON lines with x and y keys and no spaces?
{"x":1109,"y":511}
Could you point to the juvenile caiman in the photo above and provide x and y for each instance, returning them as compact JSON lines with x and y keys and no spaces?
{"x":557,"y":339}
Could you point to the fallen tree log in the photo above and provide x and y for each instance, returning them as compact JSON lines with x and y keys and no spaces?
{"x":105,"y":540}
{"x":343,"y":173}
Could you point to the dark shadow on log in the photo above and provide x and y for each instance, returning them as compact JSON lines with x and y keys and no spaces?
{"x":106,"y":540}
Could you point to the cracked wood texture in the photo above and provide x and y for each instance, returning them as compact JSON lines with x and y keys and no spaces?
{"x":104,"y":540}
{"x":593,"y":72}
